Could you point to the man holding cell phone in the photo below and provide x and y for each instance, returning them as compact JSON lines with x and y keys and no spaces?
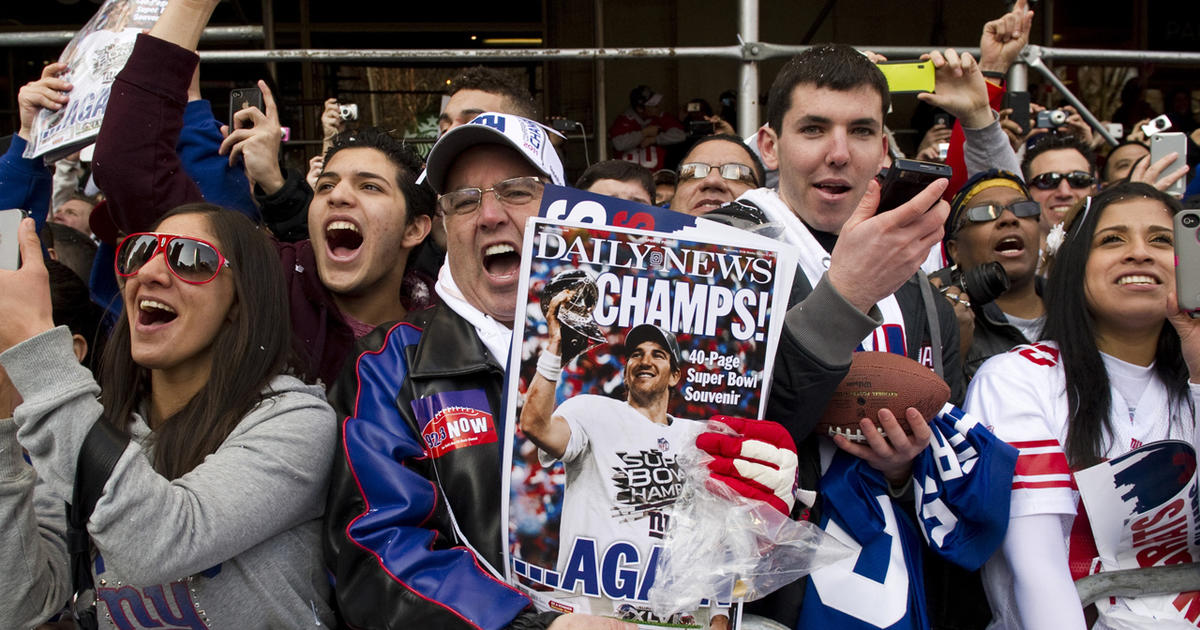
{"x":859,"y":288}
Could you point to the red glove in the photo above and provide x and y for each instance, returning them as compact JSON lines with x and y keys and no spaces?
{"x":759,"y":462}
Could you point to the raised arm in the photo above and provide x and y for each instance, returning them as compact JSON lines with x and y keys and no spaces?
{"x":136,"y":163}
{"x":549,"y":432}
{"x":26,"y":183}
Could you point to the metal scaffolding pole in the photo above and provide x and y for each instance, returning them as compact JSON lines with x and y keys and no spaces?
{"x":60,"y":38}
{"x":600,"y":125}
{"x":470,"y":55}
{"x":748,"y":84}
{"x":755,"y":51}
{"x":1036,"y":63}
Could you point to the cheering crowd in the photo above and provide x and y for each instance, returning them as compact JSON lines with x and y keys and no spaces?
{"x":216,"y":374}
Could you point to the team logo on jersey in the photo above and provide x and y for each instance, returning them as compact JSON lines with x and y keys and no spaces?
{"x":1038,"y":354}
{"x":663,"y":444}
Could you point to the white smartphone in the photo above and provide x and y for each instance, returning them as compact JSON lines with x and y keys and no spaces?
{"x":1162,"y":145}
{"x":1187,"y":261}
{"x":10,"y":250}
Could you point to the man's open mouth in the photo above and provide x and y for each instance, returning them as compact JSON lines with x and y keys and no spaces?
{"x":832,"y":188}
{"x":501,"y":259}
{"x":342,"y":238}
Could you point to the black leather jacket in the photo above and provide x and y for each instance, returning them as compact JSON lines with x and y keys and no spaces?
{"x":993,"y":335}
{"x":414,"y":521}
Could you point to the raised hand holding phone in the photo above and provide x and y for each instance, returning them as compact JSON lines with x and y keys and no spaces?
{"x":25,"y":309}
{"x":876,"y":253}
{"x":255,"y":138}
{"x":1163,"y":145}
{"x":961,"y":89}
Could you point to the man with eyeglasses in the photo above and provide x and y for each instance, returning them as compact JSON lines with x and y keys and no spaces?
{"x":716,"y":170}
{"x":413,"y":530}
{"x":1061,"y":170}
{"x":993,"y":219}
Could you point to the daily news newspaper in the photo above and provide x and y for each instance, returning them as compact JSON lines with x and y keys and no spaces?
{"x":1144,"y":510}
{"x":586,"y":522}
{"x":94,"y":57}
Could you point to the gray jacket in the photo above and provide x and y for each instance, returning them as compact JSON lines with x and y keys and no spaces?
{"x":235,"y":543}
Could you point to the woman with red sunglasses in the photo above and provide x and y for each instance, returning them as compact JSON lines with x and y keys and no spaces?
{"x":209,"y":517}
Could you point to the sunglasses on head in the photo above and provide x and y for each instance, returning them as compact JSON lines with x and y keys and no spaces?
{"x":192,"y":260}
{"x":1075,"y":179}
{"x":732,"y":171}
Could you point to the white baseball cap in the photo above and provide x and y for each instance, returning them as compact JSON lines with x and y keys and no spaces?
{"x":529,"y":138}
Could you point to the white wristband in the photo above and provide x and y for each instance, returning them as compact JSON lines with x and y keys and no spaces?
{"x":549,"y":365}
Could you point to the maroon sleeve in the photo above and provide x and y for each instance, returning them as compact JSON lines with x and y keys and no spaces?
{"x":135,"y":163}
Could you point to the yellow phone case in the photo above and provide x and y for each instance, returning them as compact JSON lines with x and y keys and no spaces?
{"x":908,"y":76}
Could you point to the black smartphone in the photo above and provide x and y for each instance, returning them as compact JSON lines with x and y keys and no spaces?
{"x":1018,"y":102}
{"x":701,"y":128}
{"x":241,"y":98}
{"x":906,"y":178}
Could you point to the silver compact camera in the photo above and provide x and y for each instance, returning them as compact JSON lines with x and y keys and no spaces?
{"x":1051,"y":118}
{"x":348,"y":111}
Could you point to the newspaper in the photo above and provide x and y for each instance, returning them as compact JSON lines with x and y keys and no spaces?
{"x":587,"y":512}
{"x":94,"y":57}
{"x":1144,"y":512}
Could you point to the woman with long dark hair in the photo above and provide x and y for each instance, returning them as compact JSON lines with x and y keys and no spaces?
{"x":1117,"y":368}
{"x":209,"y":517}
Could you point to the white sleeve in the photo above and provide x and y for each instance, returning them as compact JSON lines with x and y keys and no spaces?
{"x":1036,"y":553}
{"x":575,"y":411}
{"x":1012,"y":395}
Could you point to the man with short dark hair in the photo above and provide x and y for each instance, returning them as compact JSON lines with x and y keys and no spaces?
{"x":593,"y":435}
{"x":364,"y":218}
{"x":1061,"y":171}
{"x":588,"y":433}
{"x":858,"y":289}
{"x":75,"y":212}
{"x":70,"y":247}
{"x":665,"y":181}
{"x":482,"y":89}
{"x":715,"y":171}
{"x":1122,"y":159}
{"x":825,"y":135}
{"x":620,"y":179}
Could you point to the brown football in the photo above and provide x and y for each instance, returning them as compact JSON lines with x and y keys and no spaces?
{"x":882,"y":380}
